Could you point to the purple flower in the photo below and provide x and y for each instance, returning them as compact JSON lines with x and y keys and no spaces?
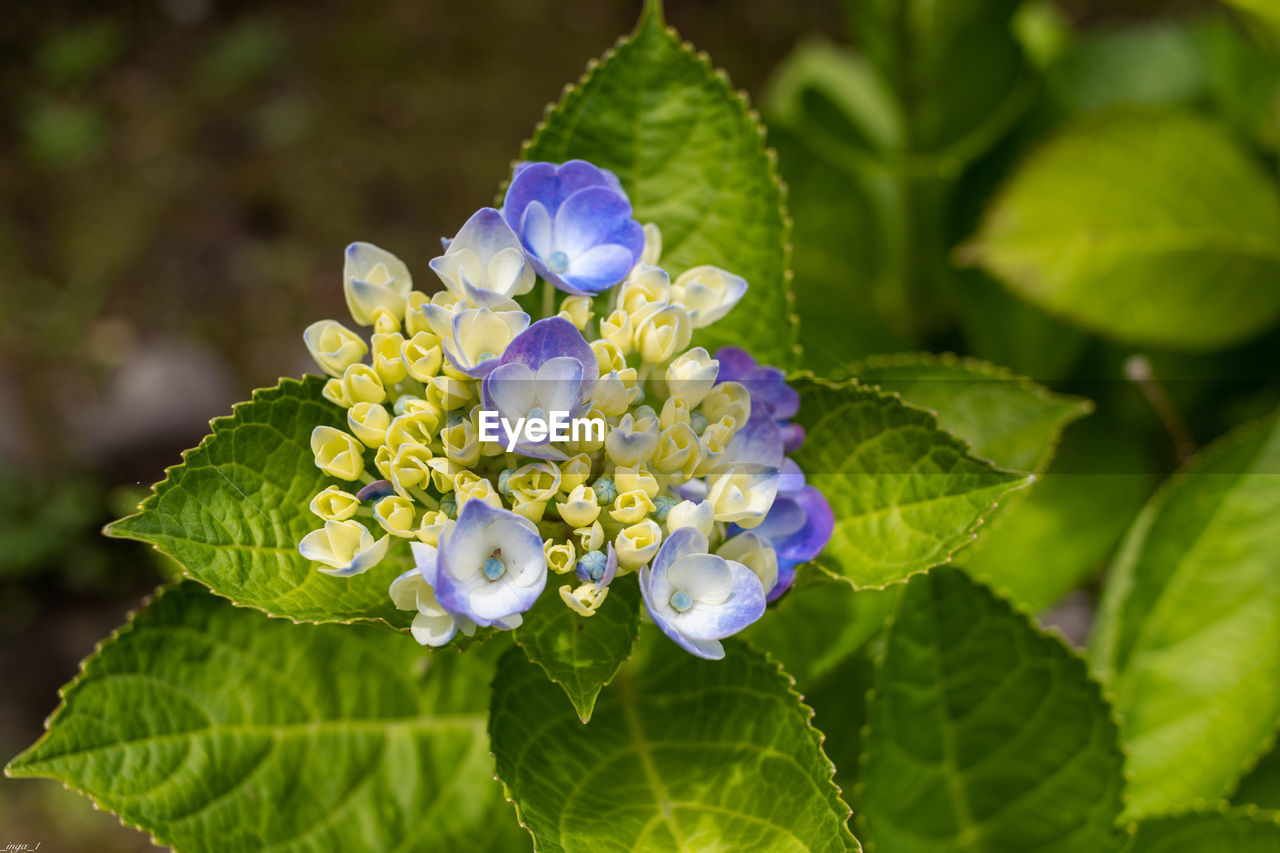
{"x":574,"y":221}
{"x":548,"y":367}
{"x":491,"y":566}
{"x":696,"y":598}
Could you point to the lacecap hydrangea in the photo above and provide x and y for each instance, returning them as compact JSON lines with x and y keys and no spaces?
{"x":685,"y":487}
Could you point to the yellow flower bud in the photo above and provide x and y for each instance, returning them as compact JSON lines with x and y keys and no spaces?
{"x":632,"y":442}
{"x":333,"y":504}
{"x":754,"y":552}
{"x":590,"y":538}
{"x":577,"y":310}
{"x":433,"y":523}
{"x":608,"y":356}
{"x":368,"y":422}
{"x":574,"y":471}
{"x":652,"y":245}
{"x":537,"y":481}
{"x":396,"y":515}
{"x":692,"y":375}
{"x":728,"y":399}
{"x":711,"y":447}
{"x":674,"y":411}
{"x":385,"y":322}
{"x":481,"y":491}
{"x":444,"y":471}
{"x":677,"y":450}
{"x":334,"y":346}
{"x":415,"y":320}
{"x":532,"y":510}
{"x":617,"y":329}
{"x":663,"y":333}
{"x":422,"y":355}
{"x":637,"y":544}
{"x":346,"y":547}
{"x":629,"y":479}
{"x":417,"y":428}
{"x":586,"y":599}
{"x":448,"y":393}
{"x":388,"y":358}
{"x":465,"y":480}
{"x":360,"y":384}
{"x":337,"y":454}
{"x":461,"y":444}
{"x":614,"y":392}
{"x":382,"y":461}
{"x":410,"y":468}
{"x":588,"y":440}
{"x":630,"y":507}
{"x":700,"y":516}
{"x":707,"y":293}
{"x":647,"y":290}
{"x":743,"y":494}
{"x":582,"y":508}
{"x":374,"y":278}
{"x":334,"y":393}
{"x":561,"y":556}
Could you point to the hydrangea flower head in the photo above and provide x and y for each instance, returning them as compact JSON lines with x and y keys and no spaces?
{"x":682,"y":486}
{"x":574,"y":220}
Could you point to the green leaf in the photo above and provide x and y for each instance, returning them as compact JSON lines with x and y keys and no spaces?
{"x":1129,"y":203}
{"x":213,"y":727}
{"x":1153,"y":64}
{"x":849,"y":619}
{"x":1189,"y":630}
{"x":1201,"y":833}
{"x":582,"y":654}
{"x":1261,"y":785}
{"x":691,"y":155}
{"x":683,"y":754}
{"x":234,"y":511}
{"x":1052,"y":536}
{"x":1007,"y":419}
{"x":985,"y":734}
{"x":905,"y":493}
{"x":958,"y":71}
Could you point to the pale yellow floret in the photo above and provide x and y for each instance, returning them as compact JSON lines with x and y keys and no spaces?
{"x":422,"y":356}
{"x":608,"y":356}
{"x":630,"y":478}
{"x":637,"y":544}
{"x":410,"y":468}
{"x":692,"y":375}
{"x":663,"y":333}
{"x":337,"y":453}
{"x":586,"y":599}
{"x":361,"y":384}
{"x":333,"y":346}
{"x":581,"y":508}
{"x":728,"y":399}
{"x":590,"y":538}
{"x":577,"y":310}
{"x":617,"y":329}
{"x":574,"y":471}
{"x":333,"y":504}
{"x":388,"y":358}
{"x":561,"y":556}
{"x":369,"y":422}
{"x":396,"y":514}
{"x":433,"y":523}
{"x":631,"y":507}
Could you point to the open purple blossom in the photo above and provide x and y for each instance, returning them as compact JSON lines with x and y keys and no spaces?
{"x":548,"y":367}
{"x":491,"y":567}
{"x":574,"y":221}
{"x":433,"y":625}
{"x":696,"y":598}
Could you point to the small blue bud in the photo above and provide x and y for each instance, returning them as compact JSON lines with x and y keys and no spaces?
{"x":606,"y":491}
{"x":644,"y":412}
{"x":593,"y":564}
{"x":698,"y":421}
{"x":494,"y":568}
{"x":681,"y":600}
{"x":662,"y":505}
{"x":449,"y":506}
{"x":455,"y":417}
{"x":504,"y":482}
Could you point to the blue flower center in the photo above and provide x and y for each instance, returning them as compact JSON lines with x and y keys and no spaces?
{"x":558,"y":262}
{"x":485,"y":356}
{"x":494,"y":568}
{"x":681,"y":600}
{"x":537,"y":413}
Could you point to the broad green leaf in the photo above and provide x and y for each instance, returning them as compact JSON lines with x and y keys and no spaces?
{"x":1132,"y":202}
{"x":234,"y":511}
{"x":1059,"y":532}
{"x":848,"y":617}
{"x":1188,"y":635}
{"x":985,"y":734}
{"x":1232,"y":832}
{"x":691,"y":155}
{"x":1007,"y":419}
{"x":213,"y":727}
{"x":1261,"y":786}
{"x":957,"y":70}
{"x":906,"y":494}
{"x":682,"y":754}
{"x":581,"y":654}
{"x":1153,"y":64}
{"x":1264,"y":12}
{"x":840,"y":700}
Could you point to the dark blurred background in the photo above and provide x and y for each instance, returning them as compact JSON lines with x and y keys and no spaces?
{"x":179,"y":178}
